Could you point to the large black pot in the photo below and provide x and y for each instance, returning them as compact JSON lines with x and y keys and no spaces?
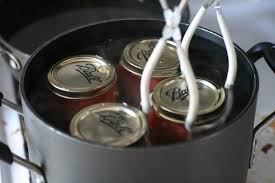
{"x":218,"y":156}
{"x":27,"y":24}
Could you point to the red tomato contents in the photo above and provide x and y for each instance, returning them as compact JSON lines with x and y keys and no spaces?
{"x":163,"y":131}
{"x":77,"y":104}
{"x":129,"y":86}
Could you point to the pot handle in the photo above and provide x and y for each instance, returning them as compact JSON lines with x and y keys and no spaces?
{"x":8,"y":157}
{"x":15,"y":58}
{"x":266,"y":50}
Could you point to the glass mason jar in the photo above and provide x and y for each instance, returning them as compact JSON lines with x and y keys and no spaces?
{"x":84,"y":80}
{"x":132,"y":63}
{"x":110,"y":124}
{"x":170,"y":101}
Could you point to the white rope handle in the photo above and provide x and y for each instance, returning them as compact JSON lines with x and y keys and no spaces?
{"x":182,"y":5}
{"x":231,"y":52}
{"x":191,"y":30}
{"x":192,"y":86}
{"x":194,"y":25}
{"x":147,"y":74}
{"x":171,"y":30}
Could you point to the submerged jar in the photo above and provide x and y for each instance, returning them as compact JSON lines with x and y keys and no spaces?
{"x":170,"y":105}
{"x":84,"y":80}
{"x":110,"y":124}
{"x":132,"y":63}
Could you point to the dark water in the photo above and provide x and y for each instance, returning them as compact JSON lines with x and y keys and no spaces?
{"x":209,"y":61}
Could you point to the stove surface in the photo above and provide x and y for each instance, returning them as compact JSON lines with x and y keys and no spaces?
{"x":10,"y":130}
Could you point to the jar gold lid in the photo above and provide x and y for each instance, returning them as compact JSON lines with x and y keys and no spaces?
{"x":171,"y":98}
{"x":136,"y":55}
{"x":111,"y":124}
{"x":81,"y":76}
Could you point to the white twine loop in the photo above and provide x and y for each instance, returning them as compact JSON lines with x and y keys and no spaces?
{"x":171,"y":29}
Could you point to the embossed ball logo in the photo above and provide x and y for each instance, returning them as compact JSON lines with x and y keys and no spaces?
{"x":176,"y":93}
{"x":144,"y":54}
{"x":89,"y":72}
{"x":116,"y":121}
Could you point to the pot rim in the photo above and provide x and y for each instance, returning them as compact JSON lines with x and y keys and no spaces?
{"x":202,"y":138}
